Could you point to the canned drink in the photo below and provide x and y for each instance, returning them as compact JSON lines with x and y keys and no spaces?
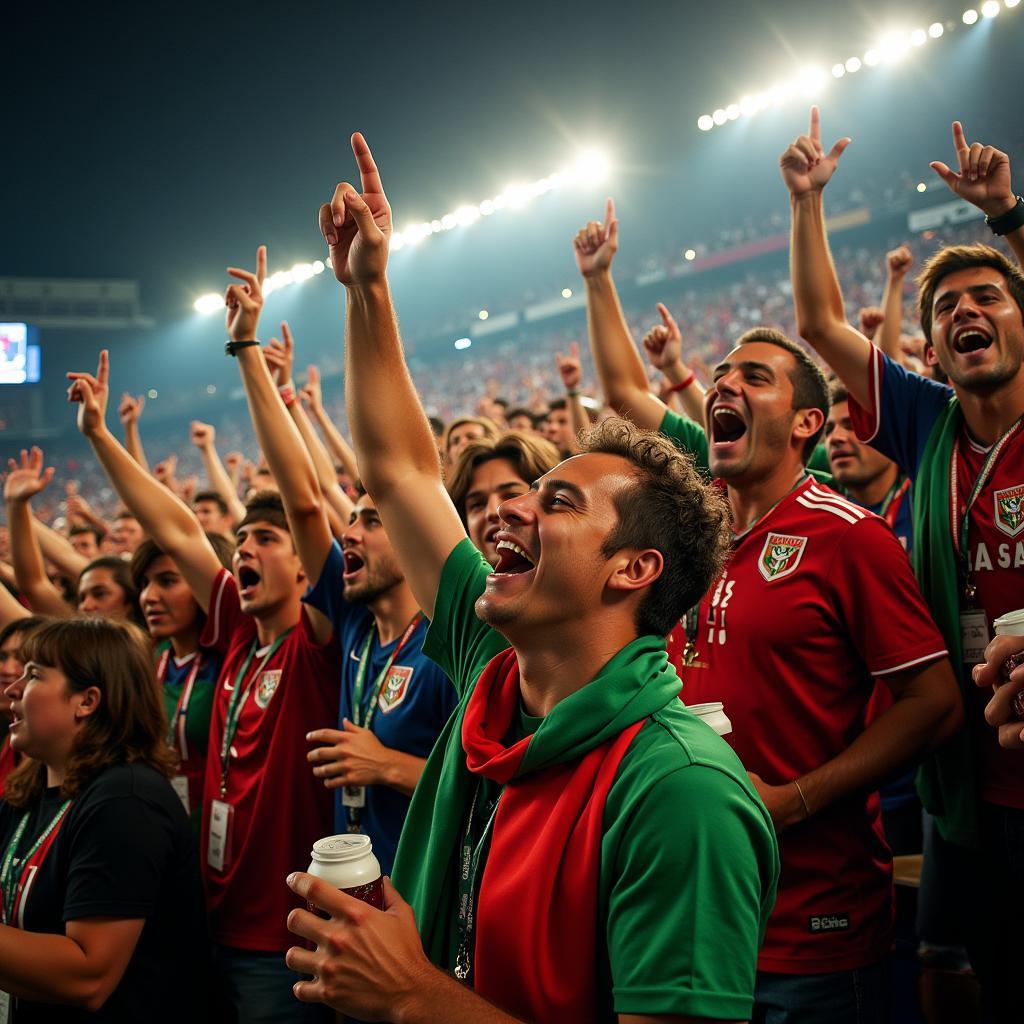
{"x":712,"y":714}
{"x":347,"y":862}
{"x":1012,"y":624}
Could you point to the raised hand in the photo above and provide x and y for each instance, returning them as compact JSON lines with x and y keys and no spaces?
{"x":805,"y":167}
{"x":870,"y":318}
{"x":27,"y":478}
{"x":596,"y":244}
{"x":187,"y":488}
{"x":91,"y":393}
{"x":663,"y":343}
{"x":982,"y":177}
{"x":131,"y":408}
{"x":280,"y":356}
{"x":899,"y":260}
{"x":245,"y":301}
{"x":164,"y":471}
{"x":357,"y":228}
{"x":203,"y":435}
{"x":312,"y":394}
{"x":569,"y":367}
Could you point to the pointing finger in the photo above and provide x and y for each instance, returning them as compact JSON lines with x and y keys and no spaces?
{"x":103,"y":370}
{"x":574,"y":350}
{"x":261,"y":264}
{"x":369,"y":176}
{"x":609,"y":212}
{"x":815,"y":131}
{"x":289,"y":342}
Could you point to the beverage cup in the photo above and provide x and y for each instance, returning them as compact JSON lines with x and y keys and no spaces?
{"x":712,"y":714}
{"x":347,"y":862}
{"x":1012,"y":624}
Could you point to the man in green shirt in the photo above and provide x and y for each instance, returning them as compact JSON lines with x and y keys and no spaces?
{"x":580,"y":847}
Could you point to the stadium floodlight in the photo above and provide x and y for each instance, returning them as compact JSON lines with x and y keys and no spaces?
{"x":211,"y":389}
{"x":918,"y":37}
{"x":838,"y":70}
{"x":732,"y":111}
{"x":208,"y":303}
{"x":853,"y":65}
{"x":719,"y":116}
{"x":152,"y":393}
{"x":990,"y":8}
{"x":895,"y":45}
{"x":591,"y":168}
{"x":483,"y":314}
{"x":935,"y":29}
{"x":970,"y":16}
{"x":922,"y":186}
{"x":705,"y":122}
{"x":318,"y":266}
{"x":463,"y":343}
{"x":690,"y":254}
{"x":872,"y":58}
{"x":1010,"y":4}
{"x":566,"y":293}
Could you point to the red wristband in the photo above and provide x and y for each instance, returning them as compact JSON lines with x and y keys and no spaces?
{"x":683,"y":384}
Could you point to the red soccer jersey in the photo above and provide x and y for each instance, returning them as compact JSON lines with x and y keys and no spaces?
{"x":279,"y":808}
{"x":816,"y":602}
{"x":995,"y":538}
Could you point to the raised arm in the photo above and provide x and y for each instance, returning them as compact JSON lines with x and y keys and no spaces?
{"x":570,"y":369}
{"x":130,"y":412}
{"x":280,"y":356}
{"x":312,"y":396}
{"x":818,"y":300}
{"x":24,"y":481}
{"x":395,"y":448}
{"x":164,"y":516}
{"x":663,"y":344}
{"x":983,"y":179}
{"x":10,"y":608}
{"x":619,"y":367}
{"x":897,"y":263}
{"x":204,"y":437}
{"x":57,"y":549}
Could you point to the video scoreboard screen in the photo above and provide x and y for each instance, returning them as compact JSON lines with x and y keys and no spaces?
{"x":19,"y":360}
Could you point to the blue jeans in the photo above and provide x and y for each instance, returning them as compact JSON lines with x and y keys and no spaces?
{"x":252,"y":987}
{"x":841,"y":997}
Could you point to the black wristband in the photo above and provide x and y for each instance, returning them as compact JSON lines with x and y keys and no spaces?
{"x":1009,"y":221}
{"x":232,"y":347}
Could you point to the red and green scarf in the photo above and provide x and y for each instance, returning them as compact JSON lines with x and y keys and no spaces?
{"x":536,"y":945}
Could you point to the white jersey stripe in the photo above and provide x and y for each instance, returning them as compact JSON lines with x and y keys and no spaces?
{"x":214,"y":612}
{"x":836,"y":499}
{"x":802,"y":500}
{"x":934,"y":656}
{"x":875,"y":381}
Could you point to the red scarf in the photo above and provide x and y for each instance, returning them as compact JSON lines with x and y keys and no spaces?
{"x":535,"y":950}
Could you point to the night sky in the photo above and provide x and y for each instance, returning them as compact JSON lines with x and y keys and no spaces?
{"x":162,"y":144}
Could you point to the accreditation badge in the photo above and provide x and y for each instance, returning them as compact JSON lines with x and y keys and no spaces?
{"x":974,"y":636}
{"x":218,"y":846}
{"x":353,"y":796}
{"x":180,"y":784}
{"x":5,"y":1007}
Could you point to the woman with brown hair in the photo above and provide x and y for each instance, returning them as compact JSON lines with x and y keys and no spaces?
{"x":98,"y":868}
{"x":12,"y":667}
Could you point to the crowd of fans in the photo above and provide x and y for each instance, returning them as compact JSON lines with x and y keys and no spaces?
{"x":624,"y":653}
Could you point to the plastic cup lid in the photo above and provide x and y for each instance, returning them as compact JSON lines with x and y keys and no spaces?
{"x":1011,"y":623}
{"x":334,"y":849}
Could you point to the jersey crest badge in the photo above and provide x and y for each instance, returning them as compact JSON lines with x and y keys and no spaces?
{"x":396,"y":686}
{"x":780,"y":555}
{"x":1010,"y":510}
{"x":266,"y":687}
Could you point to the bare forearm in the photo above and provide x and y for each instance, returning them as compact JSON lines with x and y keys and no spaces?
{"x":10,"y":609}
{"x":691,"y":396}
{"x":29,"y":571}
{"x":218,"y":479}
{"x":440,"y":997}
{"x":818,"y":300}
{"x":619,"y":367}
{"x":47,"y":968}
{"x":579,"y":418}
{"x":888,"y":337}
{"x":389,"y":427}
{"x":339,"y":447}
{"x":133,"y":443}
{"x":921,"y":718}
{"x":403,"y":771}
{"x":322,"y":464}
{"x":58,"y":550}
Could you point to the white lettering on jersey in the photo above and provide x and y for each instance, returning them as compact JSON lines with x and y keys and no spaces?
{"x":1006,"y":558}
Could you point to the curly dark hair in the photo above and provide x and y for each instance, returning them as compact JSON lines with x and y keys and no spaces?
{"x":128,"y":725}
{"x":671,"y":509}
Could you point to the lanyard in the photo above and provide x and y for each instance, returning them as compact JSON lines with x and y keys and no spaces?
{"x":364,"y":661}
{"x":470,"y":863}
{"x":237,"y":702}
{"x":959,"y":523}
{"x":12,"y":890}
{"x":176,"y":727}
{"x":890,"y":507}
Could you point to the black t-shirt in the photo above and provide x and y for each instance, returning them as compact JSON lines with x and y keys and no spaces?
{"x":125,"y":850}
